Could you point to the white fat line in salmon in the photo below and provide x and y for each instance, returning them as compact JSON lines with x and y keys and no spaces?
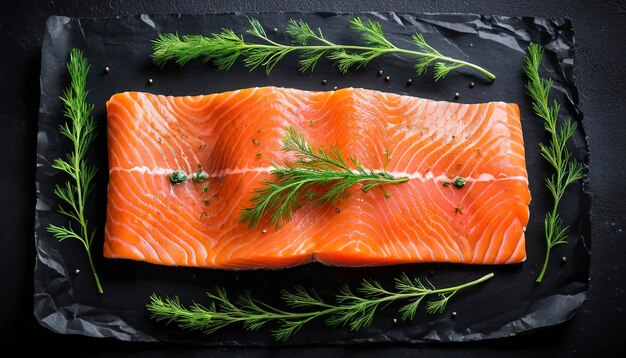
{"x":485,"y":177}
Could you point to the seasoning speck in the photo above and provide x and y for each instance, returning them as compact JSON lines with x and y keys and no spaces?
{"x":107,"y":69}
{"x":337,"y":210}
{"x":324,"y":82}
{"x":394,"y":321}
{"x":387,"y":195}
{"x":150,"y":81}
{"x":379,"y":73}
{"x":472,"y":84}
{"x":446,"y":183}
{"x":458,"y":210}
{"x":409,"y":82}
{"x":256,"y":142}
{"x":206,"y":201}
{"x":77,"y":272}
{"x":387,"y":78}
{"x":453,"y":136}
{"x":259,"y":154}
{"x":457,"y":95}
{"x":264,"y":231}
{"x":453,"y":315}
{"x":311,"y":123}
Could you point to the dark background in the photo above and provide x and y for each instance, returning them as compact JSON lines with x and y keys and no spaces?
{"x":600,"y":73}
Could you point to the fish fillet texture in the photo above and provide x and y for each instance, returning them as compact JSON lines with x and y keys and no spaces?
{"x":235,"y":137}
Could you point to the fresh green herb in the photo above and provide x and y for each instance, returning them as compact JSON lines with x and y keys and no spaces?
{"x":459,"y":182}
{"x":224,"y":48}
{"x":312,"y":172}
{"x":556,"y":153}
{"x":178,"y":177}
{"x":199,"y":176}
{"x":204,"y":188}
{"x":81,"y":131}
{"x":206,"y":201}
{"x":353,"y":310}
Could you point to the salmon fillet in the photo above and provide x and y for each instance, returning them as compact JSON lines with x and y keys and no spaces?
{"x":235,"y":137}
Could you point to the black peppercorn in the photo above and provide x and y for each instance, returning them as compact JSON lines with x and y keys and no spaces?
{"x":472,"y":84}
{"x":380,"y":73}
{"x":387,"y":78}
{"x":324,"y":82}
{"x":409,"y":81}
{"x":457,"y":95}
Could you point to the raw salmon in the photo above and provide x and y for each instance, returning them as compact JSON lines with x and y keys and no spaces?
{"x":235,"y":137}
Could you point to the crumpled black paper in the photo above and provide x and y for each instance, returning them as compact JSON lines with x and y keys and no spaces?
{"x":509,"y":304}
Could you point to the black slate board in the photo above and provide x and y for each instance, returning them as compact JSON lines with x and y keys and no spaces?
{"x":509,"y":304}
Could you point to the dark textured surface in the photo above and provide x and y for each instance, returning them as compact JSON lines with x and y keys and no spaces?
{"x":600,"y":78}
{"x":67,"y":303}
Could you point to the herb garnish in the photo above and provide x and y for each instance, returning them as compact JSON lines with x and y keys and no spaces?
{"x":460,"y":182}
{"x":556,"y":153}
{"x":224,"y":48}
{"x":353,"y":310}
{"x":81,"y":131}
{"x":178,"y":176}
{"x":302,"y":180}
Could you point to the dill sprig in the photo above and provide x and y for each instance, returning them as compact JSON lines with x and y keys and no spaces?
{"x":316,"y":175}
{"x":351,"y":310}
{"x":225,"y":47}
{"x":568,"y":170}
{"x":81,"y":131}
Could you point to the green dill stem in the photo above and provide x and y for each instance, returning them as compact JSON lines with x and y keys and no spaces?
{"x":200,"y":318}
{"x":80,"y":131}
{"x":567,"y":170}
{"x":93,"y":269}
{"x":331,"y":46}
{"x":545,"y":263}
{"x":298,"y":179}
{"x":268,"y":54}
